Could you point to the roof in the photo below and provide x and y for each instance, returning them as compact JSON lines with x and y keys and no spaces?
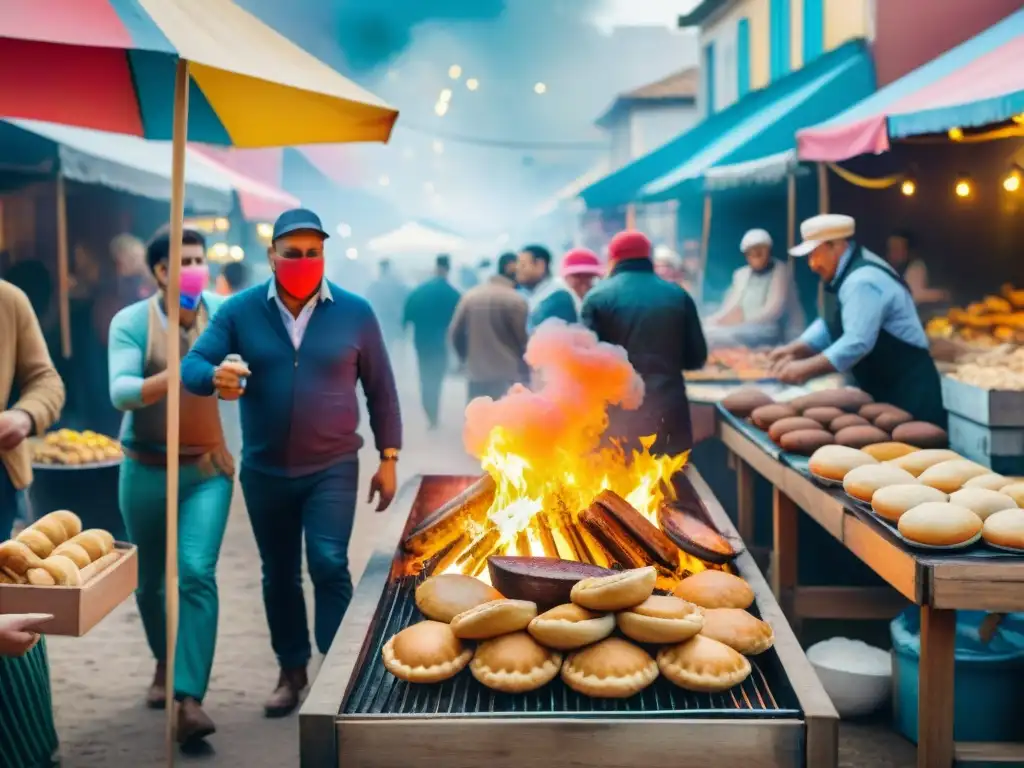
{"x":680,"y":87}
{"x":761,"y":123}
{"x":702,"y":13}
{"x":980,"y":82}
{"x":763,"y":171}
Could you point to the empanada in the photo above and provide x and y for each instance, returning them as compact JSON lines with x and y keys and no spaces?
{"x":610,"y":669}
{"x":427,"y":652}
{"x":568,"y":626}
{"x":660,"y":619}
{"x":514,"y":663}
{"x":616,"y":592}
{"x":702,"y":664}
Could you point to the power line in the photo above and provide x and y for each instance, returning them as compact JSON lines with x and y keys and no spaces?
{"x":511,"y":144}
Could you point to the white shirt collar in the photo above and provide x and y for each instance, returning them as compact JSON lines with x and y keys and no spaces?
{"x":323,"y":295}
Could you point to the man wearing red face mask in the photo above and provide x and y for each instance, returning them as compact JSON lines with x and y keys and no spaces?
{"x":306,"y":344}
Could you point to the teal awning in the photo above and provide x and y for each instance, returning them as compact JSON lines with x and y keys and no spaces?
{"x":762,"y":172}
{"x":762,"y":123}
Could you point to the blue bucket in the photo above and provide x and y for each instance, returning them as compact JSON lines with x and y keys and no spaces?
{"x":989,"y":696}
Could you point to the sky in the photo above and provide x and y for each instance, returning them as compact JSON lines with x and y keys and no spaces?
{"x":499,"y":150}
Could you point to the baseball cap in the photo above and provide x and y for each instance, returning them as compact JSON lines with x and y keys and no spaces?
{"x":298,"y":219}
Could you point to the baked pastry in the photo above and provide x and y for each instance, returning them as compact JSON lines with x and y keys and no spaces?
{"x":791,"y":424}
{"x":546,"y":581}
{"x":982,"y":501}
{"x":95,"y":541}
{"x":834,"y":461}
{"x":849,"y":399}
{"x":498,"y":617}
{"x":744,"y":401}
{"x":514,"y":663}
{"x":951,"y":475}
{"x":660,"y":619}
{"x":1005,"y":529}
{"x":872,"y":411}
{"x":611,"y":669}
{"x":427,"y":652}
{"x":823,"y":414}
{"x":892,"y":501}
{"x":17,"y":558}
{"x":888,"y":451}
{"x":840,"y":423}
{"x":862,"y":482}
{"x":445,"y":596}
{"x":859,"y":437}
{"x":568,"y":626}
{"x":991,"y":481}
{"x":892,"y":417}
{"x":703,"y":664}
{"x":767,"y":415}
{"x":804,"y":442}
{"x":715,"y":589}
{"x":1014,"y":490}
{"x":939,"y":524}
{"x":922,"y":434}
{"x":615,"y":593}
{"x":917,"y":462}
{"x":739,"y":630}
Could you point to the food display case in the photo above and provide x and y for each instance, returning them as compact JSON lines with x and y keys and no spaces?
{"x":359,"y":715}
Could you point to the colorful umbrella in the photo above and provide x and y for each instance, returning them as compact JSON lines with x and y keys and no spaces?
{"x":135,"y":66}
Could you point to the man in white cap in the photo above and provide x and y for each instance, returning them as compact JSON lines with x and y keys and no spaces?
{"x":761,"y":304}
{"x":868,"y":325}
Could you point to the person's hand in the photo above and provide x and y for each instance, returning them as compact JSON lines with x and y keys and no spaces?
{"x":732,"y":317}
{"x":780,"y":354}
{"x":17,"y":632}
{"x":383,"y":485}
{"x":794,"y":372}
{"x":15,"y":426}
{"x":227,"y":380}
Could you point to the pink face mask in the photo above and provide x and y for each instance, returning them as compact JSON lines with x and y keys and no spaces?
{"x":193,"y":281}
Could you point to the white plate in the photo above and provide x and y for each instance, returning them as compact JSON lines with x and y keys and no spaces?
{"x":946,"y":547}
{"x":1011,"y":550}
{"x":859,"y":502}
{"x":828,"y":481}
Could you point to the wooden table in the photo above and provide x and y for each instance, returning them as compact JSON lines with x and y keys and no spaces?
{"x":939,"y":585}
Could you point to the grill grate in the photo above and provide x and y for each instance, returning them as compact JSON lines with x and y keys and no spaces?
{"x":376,"y":692}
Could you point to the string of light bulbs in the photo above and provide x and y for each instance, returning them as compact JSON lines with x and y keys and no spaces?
{"x":511,"y":144}
{"x":1012,"y":182}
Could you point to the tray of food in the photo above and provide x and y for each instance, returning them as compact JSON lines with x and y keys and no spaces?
{"x":996,"y":319}
{"x":69,"y":448}
{"x":55,"y":567}
{"x":734,"y":364}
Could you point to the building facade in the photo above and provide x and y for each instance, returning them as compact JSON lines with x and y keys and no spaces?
{"x":747,"y":44}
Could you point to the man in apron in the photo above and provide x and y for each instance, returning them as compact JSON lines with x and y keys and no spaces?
{"x":868,"y":326}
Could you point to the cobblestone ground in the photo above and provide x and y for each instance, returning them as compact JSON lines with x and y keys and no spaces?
{"x":99,"y":680}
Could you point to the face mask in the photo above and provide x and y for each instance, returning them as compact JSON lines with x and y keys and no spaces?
{"x":193,"y":282}
{"x":299,"y":277}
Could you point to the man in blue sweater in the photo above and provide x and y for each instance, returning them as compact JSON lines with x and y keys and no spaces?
{"x":306,"y":344}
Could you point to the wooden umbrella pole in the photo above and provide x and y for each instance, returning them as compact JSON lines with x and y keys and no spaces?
{"x":172,"y":299}
{"x":63,"y":288}
{"x":705,"y":241}
{"x":823,"y":202}
{"x":790,"y":210}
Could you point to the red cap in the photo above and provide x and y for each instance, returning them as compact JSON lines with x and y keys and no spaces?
{"x":629,"y":245}
{"x":581,"y":261}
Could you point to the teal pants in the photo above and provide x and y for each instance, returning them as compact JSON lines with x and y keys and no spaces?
{"x":204,"y":503}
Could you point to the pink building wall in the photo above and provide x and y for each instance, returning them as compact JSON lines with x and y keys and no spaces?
{"x":909,"y":33}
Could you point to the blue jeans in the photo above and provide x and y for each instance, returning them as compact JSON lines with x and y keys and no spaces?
{"x":321,"y":505}
{"x":12,"y":504}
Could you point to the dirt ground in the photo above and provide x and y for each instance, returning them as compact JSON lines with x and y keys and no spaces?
{"x":99,"y":680}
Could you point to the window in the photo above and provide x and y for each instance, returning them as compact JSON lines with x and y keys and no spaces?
{"x":779,"y":37}
{"x":709,"y":79}
{"x":814,"y":29}
{"x":742,"y":58}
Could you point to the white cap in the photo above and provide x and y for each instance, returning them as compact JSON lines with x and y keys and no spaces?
{"x":822,"y":228}
{"x":755,"y":237}
{"x":665,"y":255}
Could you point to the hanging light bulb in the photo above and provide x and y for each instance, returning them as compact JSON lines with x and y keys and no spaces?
{"x":908,"y":187}
{"x":540,"y":88}
{"x":1012,"y":181}
{"x":454,"y":71}
{"x":446,"y":95}
{"x":963,"y":187}
{"x":265,"y":230}
{"x":441,"y":108}
{"x":956,"y":134}
{"x":472,"y":83}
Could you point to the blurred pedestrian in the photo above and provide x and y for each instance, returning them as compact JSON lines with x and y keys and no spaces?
{"x":306,"y":345}
{"x":429,"y":310}
{"x":232,"y":278}
{"x":546,"y":295}
{"x":387,"y":296}
{"x":489,"y":334}
{"x":656,"y":322}
{"x":580,"y":269}
{"x":28,"y":738}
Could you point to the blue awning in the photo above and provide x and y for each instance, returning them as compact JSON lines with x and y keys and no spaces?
{"x":762,"y":123}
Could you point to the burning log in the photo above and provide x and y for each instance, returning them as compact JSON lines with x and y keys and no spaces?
{"x":661,"y":548}
{"x":477,"y":552}
{"x":694,"y":536}
{"x":523,"y":543}
{"x":601,"y":555}
{"x":452,"y":554}
{"x":547,"y":539}
{"x":613,"y":537}
{"x":439,"y":529}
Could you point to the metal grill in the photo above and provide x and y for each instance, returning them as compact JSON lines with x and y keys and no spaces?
{"x":376,"y":692}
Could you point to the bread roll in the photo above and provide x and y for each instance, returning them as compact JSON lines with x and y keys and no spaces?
{"x":767,"y":415}
{"x":939,"y":524}
{"x":991,"y":481}
{"x":804,"y":442}
{"x":949,"y":476}
{"x":1005,"y":529}
{"x":823,"y":414}
{"x":891,"y":418}
{"x":917,"y":462}
{"x":1015,"y":491}
{"x":982,"y":501}
{"x":834,"y":461}
{"x":848,"y":399}
{"x":872,"y":411}
{"x":860,"y":437}
{"x":862,"y":482}
{"x":744,"y":401}
{"x":791,"y":424}
{"x":892,"y":501}
{"x":888,"y":450}
{"x":848,"y":420}
{"x":922,"y":434}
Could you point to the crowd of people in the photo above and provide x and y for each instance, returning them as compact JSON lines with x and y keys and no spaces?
{"x":293,"y":352}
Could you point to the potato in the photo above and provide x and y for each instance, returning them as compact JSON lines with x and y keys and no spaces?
{"x":823,"y":414}
{"x":767,"y":415}
{"x":872,"y":411}
{"x":804,"y":442}
{"x":743,"y":401}
{"x":858,"y":437}
{"x":848,"y":420}
{"x":892,"y":418}
{"x":791,"y":424}
{"x":848,"y":399}
{"x":922,"y":434}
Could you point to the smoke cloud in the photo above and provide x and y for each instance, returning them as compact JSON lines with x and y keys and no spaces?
{"x":577,"y":378}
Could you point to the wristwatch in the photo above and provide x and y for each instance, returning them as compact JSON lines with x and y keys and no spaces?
{"x":389,"y":454}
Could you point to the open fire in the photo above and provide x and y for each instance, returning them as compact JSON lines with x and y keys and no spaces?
{"x":546,"y":491}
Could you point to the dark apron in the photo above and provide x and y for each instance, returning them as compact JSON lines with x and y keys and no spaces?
{"x":894,"y":371}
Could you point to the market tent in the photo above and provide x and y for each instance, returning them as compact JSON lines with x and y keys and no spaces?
{"x":764,"y":171}
{"x":761,"y":123}
{"x":126,"y":163}
{"x":805,"y":97}
{"x":414,"y":238}
{"x":980,"y":82}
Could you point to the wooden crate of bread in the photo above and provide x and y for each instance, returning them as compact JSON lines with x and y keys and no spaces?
{"x":55,"y":567}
